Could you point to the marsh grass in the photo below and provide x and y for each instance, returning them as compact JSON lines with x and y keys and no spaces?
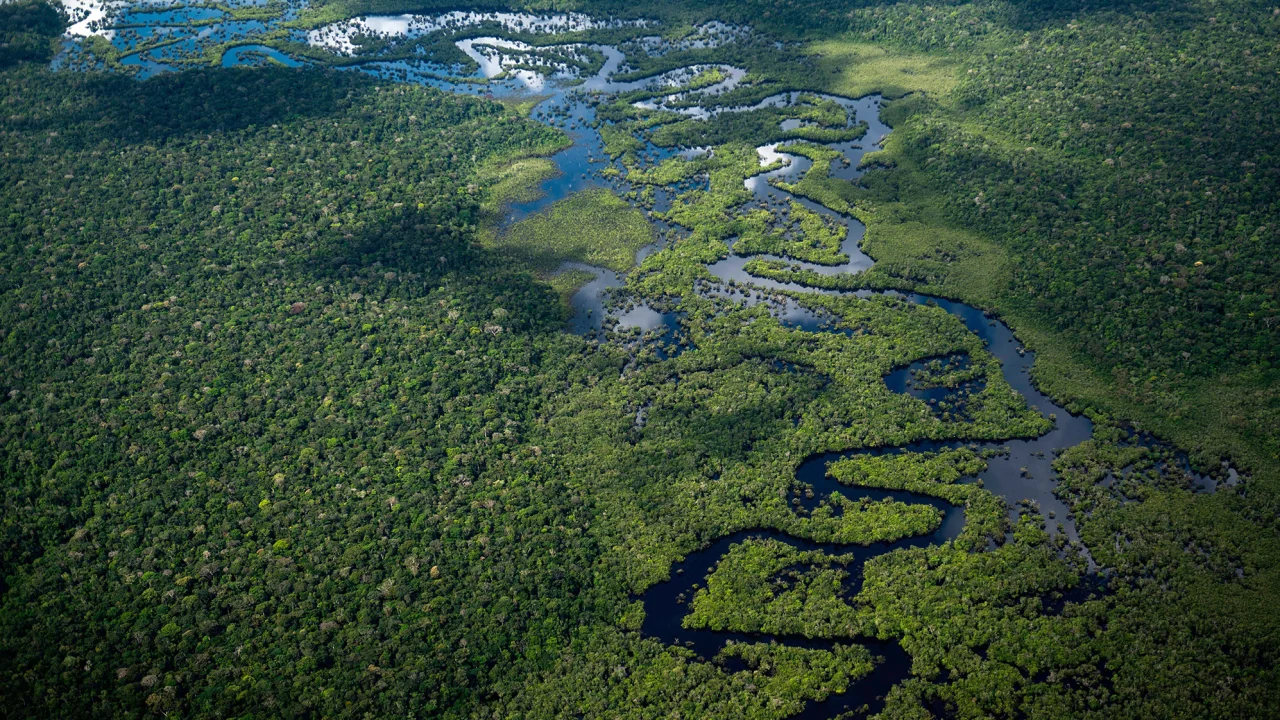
{"x":856,"y":69}
{"x":594,"y":226}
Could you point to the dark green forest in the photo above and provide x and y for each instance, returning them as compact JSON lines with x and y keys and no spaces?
{"x":283,"y":435}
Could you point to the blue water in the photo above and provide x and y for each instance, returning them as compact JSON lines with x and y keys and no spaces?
{"x":176,"y":16}
{"x":1021,"y":470}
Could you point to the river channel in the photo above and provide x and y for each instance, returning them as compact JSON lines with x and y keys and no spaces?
{"x":1021,"y":469}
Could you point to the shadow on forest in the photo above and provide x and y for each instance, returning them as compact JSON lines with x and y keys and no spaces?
{"x":414,"y":248}
{"x":405,"y":254}
{"x":433,"y":247}
{"x":194,"y":102}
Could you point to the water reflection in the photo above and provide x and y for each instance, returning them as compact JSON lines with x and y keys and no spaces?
{"x":343,"y":37}
{"x":1021,"y":470}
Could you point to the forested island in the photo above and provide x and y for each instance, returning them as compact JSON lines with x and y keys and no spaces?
{"x":589,"y":359}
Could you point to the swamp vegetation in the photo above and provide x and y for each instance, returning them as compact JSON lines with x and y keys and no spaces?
{"x":290,"y":424}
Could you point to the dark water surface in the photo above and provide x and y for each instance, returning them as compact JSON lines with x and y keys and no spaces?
{"x":1021,"y":471}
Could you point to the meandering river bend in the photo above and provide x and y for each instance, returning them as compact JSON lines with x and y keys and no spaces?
{"x":1022,"y":470}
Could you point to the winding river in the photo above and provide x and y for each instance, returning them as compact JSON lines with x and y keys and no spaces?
{"x":1021,"y":471}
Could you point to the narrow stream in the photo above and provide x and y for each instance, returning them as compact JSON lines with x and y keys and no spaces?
{"x":1022,"y":470}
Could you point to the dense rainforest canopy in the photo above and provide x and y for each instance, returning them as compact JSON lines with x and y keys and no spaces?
{"x":291,"y":424}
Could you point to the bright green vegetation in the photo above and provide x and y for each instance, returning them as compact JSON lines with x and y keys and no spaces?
{"x":986,"y":516}
{"x":511,"y":181}
{"x":726,"y":168}
{"x":817,"y":184}
{"x":706,"y":78}
{"x":841,"y":519}
{"x":1096,"y":215}
{"x":806,"y":236}
{"x":1138,"y":652}
{"x":593,"y":226}
{"x":763,"y":126}
{"x":783,"y":271}
{"x":1178,"y":613}
{"x":618,"y":141}
{"x":567,"y":282}
{"x":756,"y":588}
{"x":290,"y":425}
{"x":249,"y":341}
{"x":1017,"y":183}
{"x":855,"y":69}
{"x":608,"y":676}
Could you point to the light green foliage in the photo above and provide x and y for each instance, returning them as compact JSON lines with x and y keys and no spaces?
{"x":766,"y":586}
{"x":1090,"y":202}
{"x":986,"y":516}
{"x":593,"y":226}
{"x":705,"y":79}
{"x":807,"y":236}
{"x":668,"y":172}
{"x":618,"y":141}
{"x":817,"y":184}
{"x":763,"y":126}
{"x":567,"y":282}
{"x":619,"y":675}
{"x":855,"y":69}
{"x":841,"y":519}
{"x":289,"y":427}
{"x":945,"y":601}
{"x":783,"y":271}
{"x":784,"y":671}
{"x":510,"y":181}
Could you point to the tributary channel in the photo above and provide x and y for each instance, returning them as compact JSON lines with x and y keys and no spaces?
{"x":1021,"y":471}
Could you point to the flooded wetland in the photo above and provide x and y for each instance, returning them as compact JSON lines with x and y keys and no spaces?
{"x":905,"y":428}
